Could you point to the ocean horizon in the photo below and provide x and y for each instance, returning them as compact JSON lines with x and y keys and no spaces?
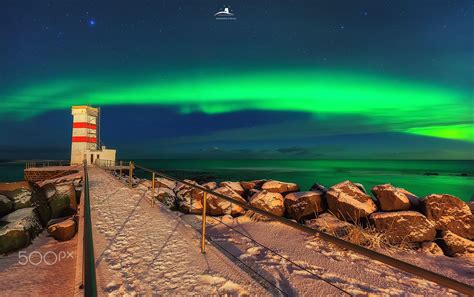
{"x":422,"y":177}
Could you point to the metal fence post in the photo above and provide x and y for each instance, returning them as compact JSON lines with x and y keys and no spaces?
{"x":203,"y":235}
{"x":153,"y":189}
{"x":130,"y":172}
{"x":120,"y":168}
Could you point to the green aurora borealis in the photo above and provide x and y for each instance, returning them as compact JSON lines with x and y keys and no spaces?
{"x":286,"y":80}
{"x":397,"y":105}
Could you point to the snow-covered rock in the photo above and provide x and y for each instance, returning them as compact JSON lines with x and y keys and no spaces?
{"x":217,"y":206}
{"x":391,"y":198}
{"x":189,"y":199}
{"x":301,"y":204}
{"x":449,"y":213}
{"x":6,"y":205}
{"x":280,"y":187}
{"x":455,"y":245}
{"x":348,"y":202}
{"x":19,"y":228}
{"x":234,"y":186}
{"x":404,"y":226}
{"x":269,"y":201}
{"x":61,"y":198}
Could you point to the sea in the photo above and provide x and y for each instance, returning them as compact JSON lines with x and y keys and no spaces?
{"x":421,"y":177}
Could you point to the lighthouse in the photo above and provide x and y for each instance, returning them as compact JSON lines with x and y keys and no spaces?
{"x":86,"y":145}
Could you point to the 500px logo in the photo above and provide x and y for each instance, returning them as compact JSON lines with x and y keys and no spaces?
{"x":49,"y":258}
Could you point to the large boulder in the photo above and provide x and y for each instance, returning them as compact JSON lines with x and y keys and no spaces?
{"x":269,"y":201}
{"x":64,"y":230}
{"x":234,"y":186}
{"x":454,"y":245}
{"x":275,"y":186}
{"x":189,"y":199}
{"x":391,"y":198}
{"x":18,"y":229}
{"x":348,"y":202}
{"x":404,"y":226}
{"x":449,"y":213}
{"x":301,"y":204}
{"x":217,"y":206}
{"x":6,"y":205}
{"x":21,"y":197}
{"x":61,"y":198}
{"x":328,"y":223}
{"x":253,"y":184}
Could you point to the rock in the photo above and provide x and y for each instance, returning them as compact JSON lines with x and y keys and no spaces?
{"x":217,"y":206}
{"x":180,"y":186}
{"x":346,"y":201}
{"x":449,"y":213}
{"x":64,"y":230}
{"x":454,"y":245}
{"x":301,"y":204}
{"x":318,"y":188}
{"x":60,"y":198}
{"x":414,"y":200}
{"x":162,"y":193}
{"x":280,"y":187}
{"x":189,"y":199}
{"x":18,"y":229}
{"x":269,"y":201}
{"x":163,"y":182}
{"x":254,"y":184}
{"x":390,"y":198}
{"x":210,"y":185}
{"x":6,"y":205}
{"x":431,"y":248}
{"x":328,"y":223}
{"x":252,"y":192}
{"x":404,"y":226}
{"x":234,"y":186}
{"x":21,"y":197}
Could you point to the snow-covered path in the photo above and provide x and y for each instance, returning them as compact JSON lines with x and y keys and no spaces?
{"x":146,"y":250}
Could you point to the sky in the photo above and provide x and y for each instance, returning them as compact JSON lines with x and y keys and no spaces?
{"x":277,"y":79}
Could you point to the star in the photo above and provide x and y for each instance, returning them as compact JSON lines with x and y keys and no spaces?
{"x":91,"y":22}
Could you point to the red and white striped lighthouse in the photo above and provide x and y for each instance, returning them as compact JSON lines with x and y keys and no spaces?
{"x":84,"y":133}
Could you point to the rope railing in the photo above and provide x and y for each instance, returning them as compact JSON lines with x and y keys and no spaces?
{"x":46,"y":163}
{"x":89,"y":277}
{"x":396,"y":263}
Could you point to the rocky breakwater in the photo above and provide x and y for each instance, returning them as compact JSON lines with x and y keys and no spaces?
{"x":436,"y":224}
{"x":26,"y":209}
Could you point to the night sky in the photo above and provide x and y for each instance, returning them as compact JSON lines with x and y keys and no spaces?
{"x":281,"y":79}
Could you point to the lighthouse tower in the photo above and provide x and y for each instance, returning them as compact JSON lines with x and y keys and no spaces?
{"x":85,"y":136}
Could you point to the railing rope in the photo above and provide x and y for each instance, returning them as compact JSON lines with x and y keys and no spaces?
{"x":90,"y":285}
